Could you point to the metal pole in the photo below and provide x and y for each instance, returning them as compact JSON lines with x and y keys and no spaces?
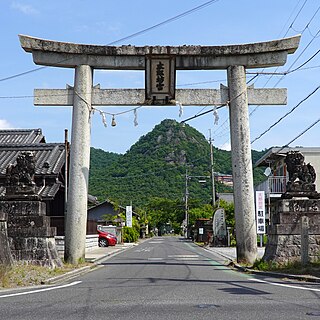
{"x":66,"y":147}
{"x":186,"y":204}
{"x":212,"y":173}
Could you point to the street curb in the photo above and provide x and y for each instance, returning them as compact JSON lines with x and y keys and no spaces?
{"x":67,"y":276}
{"x":219,"y":253}
{"x":235,"y":266}
{"x":305,"y":278}
{"x":78,"y":272}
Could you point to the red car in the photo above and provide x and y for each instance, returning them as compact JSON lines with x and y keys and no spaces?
{"x":106,"y":239}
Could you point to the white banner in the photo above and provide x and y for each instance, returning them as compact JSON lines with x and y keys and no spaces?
{"x":260,"y":212}
{"x":129,"y":216}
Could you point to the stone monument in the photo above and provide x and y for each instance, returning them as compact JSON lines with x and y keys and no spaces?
{"x":294,"y":233}
{"x":31,"y":239}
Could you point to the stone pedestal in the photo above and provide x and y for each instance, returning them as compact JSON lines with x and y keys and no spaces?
{"x":285,"y":241}
{"x":31,"y":238}
{"x":5,"y":254}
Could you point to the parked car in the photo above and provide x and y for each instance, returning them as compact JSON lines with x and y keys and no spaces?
{"x":106,"y":239}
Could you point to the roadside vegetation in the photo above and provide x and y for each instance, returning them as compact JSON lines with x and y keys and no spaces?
{"x":22,"y":275}
{"x":293,"y":268}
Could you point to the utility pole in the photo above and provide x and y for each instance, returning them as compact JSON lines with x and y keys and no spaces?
{"x":212,"y":172}
{"x":186,"y":204}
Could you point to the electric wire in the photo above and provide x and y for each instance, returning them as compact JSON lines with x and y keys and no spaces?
{"x":183,"y":14}
{"x":299,"y":135}
{"x":288,"y":113}
{"x":206,"y":4}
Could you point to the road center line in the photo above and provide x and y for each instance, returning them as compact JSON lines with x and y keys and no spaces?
{"x":40,"y":290}
{"x":285,"y":285}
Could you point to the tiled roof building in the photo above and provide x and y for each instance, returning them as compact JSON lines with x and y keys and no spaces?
{"x":49,"y":177}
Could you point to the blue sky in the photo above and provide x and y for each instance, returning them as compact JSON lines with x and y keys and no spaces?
{"x":102,"y":22}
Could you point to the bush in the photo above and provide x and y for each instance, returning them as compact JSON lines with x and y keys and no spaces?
{"x":130,"y":234}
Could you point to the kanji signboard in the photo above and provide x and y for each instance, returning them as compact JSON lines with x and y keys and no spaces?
{"x":160,"y":79}
{"x":260,"y":212}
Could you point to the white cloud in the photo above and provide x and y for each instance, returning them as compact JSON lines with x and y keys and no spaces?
{"x":226,"y":146}
{"x":4,"y":124}
{"x":24,"y":8}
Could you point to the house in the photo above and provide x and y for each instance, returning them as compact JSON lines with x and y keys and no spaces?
{"x":50,"y":172}
{"x":276,"y":171}
{"x":105,"y":212}
{"x":49,"y":161}
{"x":226,"y":179}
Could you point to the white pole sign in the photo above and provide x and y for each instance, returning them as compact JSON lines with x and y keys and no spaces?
{"x":261,"y":212}
{"x":129,"y":216}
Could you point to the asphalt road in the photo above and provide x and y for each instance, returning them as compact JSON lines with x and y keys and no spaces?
{"x":165,"y":278}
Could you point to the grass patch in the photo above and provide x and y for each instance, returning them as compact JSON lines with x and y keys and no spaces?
{"x":22,"y":275}
{"x":295,"y":268}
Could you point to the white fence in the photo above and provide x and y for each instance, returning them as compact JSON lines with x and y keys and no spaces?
{"x":91,"y":243}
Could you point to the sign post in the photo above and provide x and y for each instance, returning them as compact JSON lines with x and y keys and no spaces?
{"x":129,"y":216}
{"x":261,"y":215}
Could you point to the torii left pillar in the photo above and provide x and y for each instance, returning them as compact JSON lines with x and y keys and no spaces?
{"x":76,"y":217}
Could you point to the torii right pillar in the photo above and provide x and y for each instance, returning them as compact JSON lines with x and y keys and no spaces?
{"x":242,"y":165}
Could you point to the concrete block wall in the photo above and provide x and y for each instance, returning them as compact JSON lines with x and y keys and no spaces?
{"x":91,"y":243}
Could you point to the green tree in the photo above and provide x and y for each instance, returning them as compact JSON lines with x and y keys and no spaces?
{"x":205,"y":211}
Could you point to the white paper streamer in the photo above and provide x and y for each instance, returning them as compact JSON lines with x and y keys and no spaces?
{"x":103,"y":116}
{"x":135,"y":121}
{"x":180,"y":108}
{"x":216,"y":116}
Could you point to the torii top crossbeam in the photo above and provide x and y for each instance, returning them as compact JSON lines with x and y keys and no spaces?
{"x":191,"y":57}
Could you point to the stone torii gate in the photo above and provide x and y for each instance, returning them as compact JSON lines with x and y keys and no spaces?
{"x":160,"y":64}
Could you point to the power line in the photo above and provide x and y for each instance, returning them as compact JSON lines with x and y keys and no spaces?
{"x":307,"y":25}
{"x":304,"y":131}
{"x":22,"y":74}
{"x":181,"y":15}
{"x":280,"y":119}
{"x":299,"y":135}
{"x":289,"y":19}
{"x":294,"y":20}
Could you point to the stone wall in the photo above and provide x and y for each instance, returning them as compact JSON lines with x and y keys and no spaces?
{"x":31,"y":239}
{"x":285,"y":240}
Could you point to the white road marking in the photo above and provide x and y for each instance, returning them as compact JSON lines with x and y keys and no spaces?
{"x":156,"y":242}
{"x":40,"y":290}
{"x":155,"y":259}
{"x":285,"y":285}
{"x":148,"y":249}
{"x":182,"y":256}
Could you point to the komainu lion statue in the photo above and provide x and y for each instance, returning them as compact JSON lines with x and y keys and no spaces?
{"x":301,"y":176}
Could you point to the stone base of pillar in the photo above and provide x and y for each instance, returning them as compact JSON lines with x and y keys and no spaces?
{"x":285,"y":234}
{"x":5,"y":254}
{"x":31,"y":239}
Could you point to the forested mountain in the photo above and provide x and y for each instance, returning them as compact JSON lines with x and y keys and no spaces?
{"x":156,"y":166}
